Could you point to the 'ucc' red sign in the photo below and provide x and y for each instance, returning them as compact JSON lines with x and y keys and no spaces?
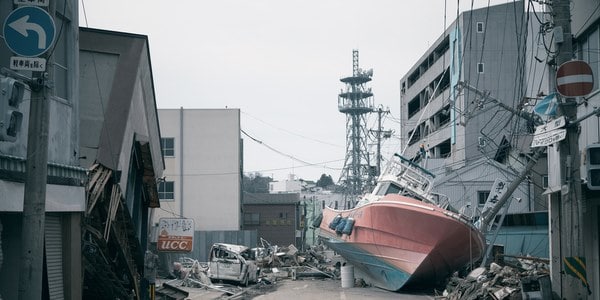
{"x":175,"y":243}
{"x":175,"y":235}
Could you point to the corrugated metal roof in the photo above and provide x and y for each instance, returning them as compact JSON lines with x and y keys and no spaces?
{"x":18,"y":165}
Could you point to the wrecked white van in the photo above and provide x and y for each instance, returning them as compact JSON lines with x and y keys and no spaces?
{"x":232,"y":263}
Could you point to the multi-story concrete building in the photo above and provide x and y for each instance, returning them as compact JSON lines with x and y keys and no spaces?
{"x":202,"y":149}
{"x":457,"y":100}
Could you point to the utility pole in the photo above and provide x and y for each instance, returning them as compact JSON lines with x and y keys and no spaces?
{"x":34,"y":202}
{"x":378,"y":136}
{"x":566,"y":206}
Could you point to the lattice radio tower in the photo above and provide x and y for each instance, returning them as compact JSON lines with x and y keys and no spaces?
{"x":356,"y":101}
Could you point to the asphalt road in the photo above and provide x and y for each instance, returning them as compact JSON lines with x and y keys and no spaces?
{"x":306,"y":288}
{"x":332,"y":289}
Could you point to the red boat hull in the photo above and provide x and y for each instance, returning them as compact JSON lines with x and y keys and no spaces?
{"x":400,"y":241}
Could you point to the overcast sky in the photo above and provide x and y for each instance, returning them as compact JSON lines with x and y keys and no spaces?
{"x":280,"y":62}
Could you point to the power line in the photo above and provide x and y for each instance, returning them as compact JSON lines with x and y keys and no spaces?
{"x":290,"y":132}
{"x":84,"y":13}
{"x":305,"y":163}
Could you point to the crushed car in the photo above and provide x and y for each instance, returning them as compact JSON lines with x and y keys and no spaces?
{"x":232,"y":263}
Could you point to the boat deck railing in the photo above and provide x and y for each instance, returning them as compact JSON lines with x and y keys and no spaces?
{"x":412,"y":176}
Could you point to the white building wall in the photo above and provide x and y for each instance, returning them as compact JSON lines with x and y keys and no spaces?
{"x":290,"y":185}
{"x":207,"y":173}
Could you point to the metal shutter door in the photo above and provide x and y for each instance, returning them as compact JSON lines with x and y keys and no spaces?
{"x":54,"y":254}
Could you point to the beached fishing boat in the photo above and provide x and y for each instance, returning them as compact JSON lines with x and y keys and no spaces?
{"x":402,"y":234}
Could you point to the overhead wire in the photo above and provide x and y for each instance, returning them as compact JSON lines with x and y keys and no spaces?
{"x":290,"y":132}
{"x":305,"y":163}
{"x":84,"y":13}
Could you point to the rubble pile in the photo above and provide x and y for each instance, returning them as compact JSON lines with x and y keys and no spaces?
{"x":289,"y":262}
{"x":274,"y":263}
{"x":524,"y":279}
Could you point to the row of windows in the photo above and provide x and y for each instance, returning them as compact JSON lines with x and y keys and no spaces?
{"x":254,"y":219}
{"x":433,"y":57}
{"x":441,"y":150}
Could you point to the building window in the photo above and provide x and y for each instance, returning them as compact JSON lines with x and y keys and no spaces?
{"x":168,"y":147}
{"x":414,"y":106}
{"x":482,"y":197}
{"x":443,"y":116}
{"x":444,"y":149}
{"x":479,"y":27}
{"x":252,"y":219}
{"x":63,"y":52}
{"x":166,"y":191}
{"x":545,"y":181}
{"x":480,"y":68}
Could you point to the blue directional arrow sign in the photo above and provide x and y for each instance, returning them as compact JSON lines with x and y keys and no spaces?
{"x":29,"y":31}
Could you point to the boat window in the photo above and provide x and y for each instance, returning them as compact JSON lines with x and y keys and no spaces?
{"x":393,"y":189}
{"x":388,"y":188}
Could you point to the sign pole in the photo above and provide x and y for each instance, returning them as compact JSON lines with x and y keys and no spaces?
{"x":566,"y":205}
{"x":34,"y":202}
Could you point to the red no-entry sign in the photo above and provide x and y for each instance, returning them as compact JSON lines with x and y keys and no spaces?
{"x":574,"y":79}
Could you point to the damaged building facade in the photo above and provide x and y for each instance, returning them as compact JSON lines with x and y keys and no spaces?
{"x":457,"y":118}
{"x":104,"y":159}
{"x":120,"y":145}
{"x":456,"y":127}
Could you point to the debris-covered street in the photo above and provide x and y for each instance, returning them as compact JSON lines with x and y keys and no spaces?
{"x":305,"y":288}
{"x":288,"y":273}
{"x":282,"y":272}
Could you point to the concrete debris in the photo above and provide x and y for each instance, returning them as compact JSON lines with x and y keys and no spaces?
{"x":169,"y":291}
{"x":523,"y":278}
{"x":273,"y":263}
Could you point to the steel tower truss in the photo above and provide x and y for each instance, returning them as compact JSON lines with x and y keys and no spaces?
{"x":356,"y":101}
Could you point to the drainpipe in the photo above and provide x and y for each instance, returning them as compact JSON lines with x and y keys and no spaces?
{"x":181,"y":161}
